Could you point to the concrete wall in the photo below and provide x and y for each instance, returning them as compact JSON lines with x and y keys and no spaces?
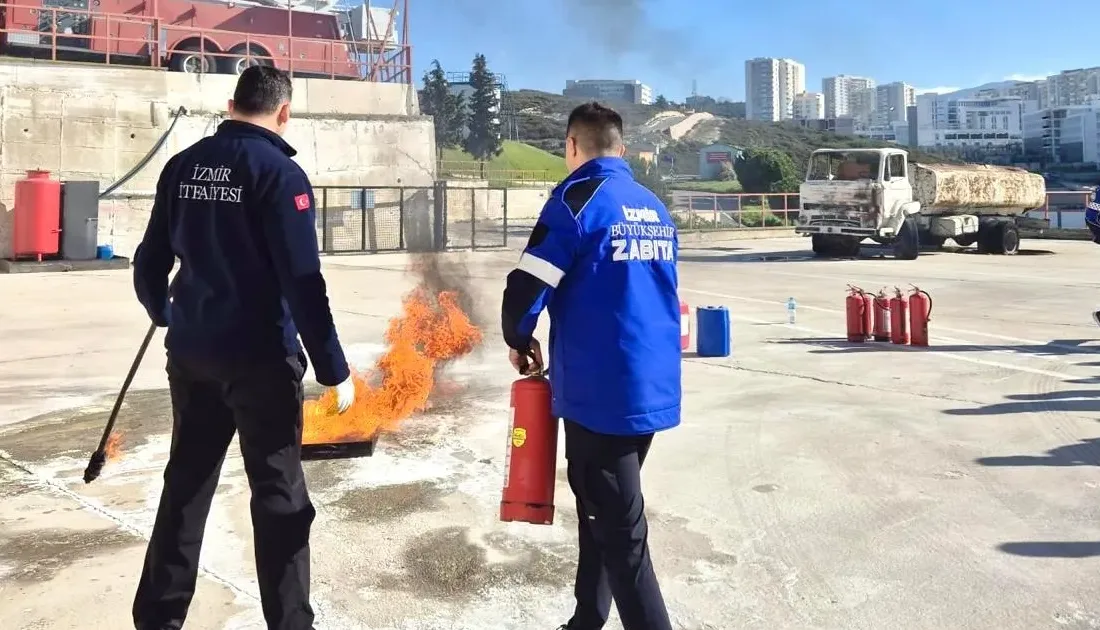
{"x":96,"y":122}
{"x":473,"y":198}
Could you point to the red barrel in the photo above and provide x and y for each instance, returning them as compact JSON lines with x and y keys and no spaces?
{"x":530,"y":465}
{"x":36,"y":229}
{"x":685,"y":325}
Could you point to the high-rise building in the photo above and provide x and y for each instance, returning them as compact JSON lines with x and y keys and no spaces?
{"x":892,"y":101}
{"x":1064,"y":134}
{"x":809,"y":106}
{"x":840,"y":92}
{"x":972,"y":123}
{"x":861,"y":106}
{"x":622,"y":91}
{"x":770,"y":87}
{"x":1069,"y":88}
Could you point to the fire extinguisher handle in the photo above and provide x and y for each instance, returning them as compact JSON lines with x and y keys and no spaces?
{"x":527,"y":359}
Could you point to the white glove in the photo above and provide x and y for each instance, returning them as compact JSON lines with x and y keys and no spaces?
{"x":345,"y":395}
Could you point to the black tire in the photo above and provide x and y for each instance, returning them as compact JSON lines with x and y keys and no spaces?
{"x":822,"y":246}
{"x":966,"y":240}
{"x":237,"y":65}
{"x":187,"y":59}
{"x":907,"y":243}
{"x":1005,"y":239}
{"x":851,"y":247}
{"x":930,"y":241}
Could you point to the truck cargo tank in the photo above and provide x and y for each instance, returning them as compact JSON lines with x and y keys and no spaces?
{"x":948,"y":189}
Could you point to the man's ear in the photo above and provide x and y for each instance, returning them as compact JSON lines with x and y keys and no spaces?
{"x":284,"y":113}
{"x":230,"y":107}
{"x":622,"y":150}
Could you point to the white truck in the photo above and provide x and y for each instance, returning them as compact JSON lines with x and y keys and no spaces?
{"x":854,"y":194}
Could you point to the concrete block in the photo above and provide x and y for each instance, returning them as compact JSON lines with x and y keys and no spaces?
{"x":355,"y":97}
{"x":88,"y":133}
{"x":87,"y":160}
{"x":21,"y":156}
{"x":130,"y":138}
{"x":99,"y":107}
{"x":32,"y":102}
{"x":22,"y":129}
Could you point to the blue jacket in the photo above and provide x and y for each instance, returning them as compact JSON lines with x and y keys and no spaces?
{"x":1092,"y":215}
{"x":239,"y":215}
{"x":602,"y":260}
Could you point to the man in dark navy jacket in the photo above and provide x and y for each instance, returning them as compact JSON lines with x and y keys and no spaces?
{"x":602,"y":260}
{"x":238,"y":213}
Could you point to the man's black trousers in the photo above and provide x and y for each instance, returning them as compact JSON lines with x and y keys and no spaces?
{"x":210,"y":402}
{"x":605,"y":475}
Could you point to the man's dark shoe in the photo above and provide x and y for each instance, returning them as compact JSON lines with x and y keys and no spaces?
{"x":1096,"y":317}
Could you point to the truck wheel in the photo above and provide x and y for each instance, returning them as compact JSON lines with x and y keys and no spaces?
{"x":966,"y":240}
{"x":852,"y":247}
{"x":822,"y":246}
{"x":237,"y":65}
{"x":191,"y":61}
{"x":907,"y":243}
{"x":1006,"y":239}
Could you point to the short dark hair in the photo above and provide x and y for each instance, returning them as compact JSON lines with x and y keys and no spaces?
{"x":597,"y":128}
{"x":261,"y":89}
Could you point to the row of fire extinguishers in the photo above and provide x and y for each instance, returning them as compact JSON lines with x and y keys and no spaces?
{"x":900,"y":319}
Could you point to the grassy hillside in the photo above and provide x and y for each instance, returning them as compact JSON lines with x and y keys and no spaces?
{"x":518,"y":161}
{"x":541,"y":120}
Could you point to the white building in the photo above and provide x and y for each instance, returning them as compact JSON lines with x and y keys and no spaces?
{"x":1070,"y":88}
{"x":892,"y":101}
{"x":770,"y":87}
{"x":971,"y":123}
{"x":1064,"y":134}
{"x":840,"y":93}
{"x":614,"y":90}
{"x":862,"y":106}
{"x":809,"y":106}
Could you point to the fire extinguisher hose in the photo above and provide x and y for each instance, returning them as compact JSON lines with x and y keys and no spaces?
{"x":927,"y":295}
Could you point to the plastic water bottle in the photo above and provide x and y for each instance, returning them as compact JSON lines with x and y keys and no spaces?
{"x":791,"y":306}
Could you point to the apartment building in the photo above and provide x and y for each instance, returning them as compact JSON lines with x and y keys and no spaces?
{"x":892,"y":101}
{"x":611,"y":90}
{"x":771,"y":85}
{"x":1070,"y":88}
{"x":809,"y":106}
{"x":840,"y":93}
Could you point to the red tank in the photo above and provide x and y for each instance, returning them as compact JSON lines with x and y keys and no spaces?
{"x":37,"y":217}
{"x":530,"y":466}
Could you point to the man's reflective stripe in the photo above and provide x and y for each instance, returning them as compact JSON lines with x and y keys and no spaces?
{"x":541,"y":269}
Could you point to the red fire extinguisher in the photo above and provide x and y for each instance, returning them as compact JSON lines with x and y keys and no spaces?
{"x":854,"y":308}
{"x":868,"y":313}
{"x":882,"y":317}
{"x":899,"y":318}
{"x":530,"y":465}
{"x":920,"y":312}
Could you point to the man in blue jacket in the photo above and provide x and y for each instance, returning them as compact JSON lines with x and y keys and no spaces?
{"x":602,"y":260}
{"x":238,"y":213}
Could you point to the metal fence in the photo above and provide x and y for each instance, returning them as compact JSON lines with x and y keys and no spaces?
{"x":713,"y":211}
{"x":376,"y":219}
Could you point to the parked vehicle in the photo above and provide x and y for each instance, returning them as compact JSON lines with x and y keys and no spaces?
{"x":854,"y":194}
{"x":200,"y":36}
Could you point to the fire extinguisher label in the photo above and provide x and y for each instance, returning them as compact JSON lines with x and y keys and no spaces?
{"x":519,"y":436}
{"x":508,"y":445}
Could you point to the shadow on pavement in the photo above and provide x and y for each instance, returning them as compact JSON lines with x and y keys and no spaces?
{"x":1055,"y":347}
{"x":805,"y":255}
{"x":1083,"y":549}
{"x":1084,"y":453}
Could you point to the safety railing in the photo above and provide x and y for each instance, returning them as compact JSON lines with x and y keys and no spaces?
{"x":375,"y":219}
{"x":713,"y":211}
{"x":67,"y":34}
{"x":495,"y":176}
{"x":1064,"y":209}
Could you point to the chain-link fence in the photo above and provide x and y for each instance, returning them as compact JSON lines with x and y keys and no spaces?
{"x":373,"y":219}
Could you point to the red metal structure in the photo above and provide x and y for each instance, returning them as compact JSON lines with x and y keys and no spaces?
{"x":306,"y":37}
{"x":530,"y":468}
{"x":881,"y":330}
{"x":854,"y":308}
{"x":37,"y":221}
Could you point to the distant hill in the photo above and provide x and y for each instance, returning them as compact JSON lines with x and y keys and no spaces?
{"x":541,"y":118}
{"x":518,"y":161}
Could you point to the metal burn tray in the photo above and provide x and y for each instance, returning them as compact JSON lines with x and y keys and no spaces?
{"x":338,"y":450}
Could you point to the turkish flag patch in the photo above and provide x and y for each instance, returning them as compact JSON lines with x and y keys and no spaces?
{"x":301,"y":202}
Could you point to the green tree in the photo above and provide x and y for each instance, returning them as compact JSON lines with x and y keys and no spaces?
{"x":762,"y":170}
{"x":483,"y":140}
{"x":646,"y":174}
{"x":448,"y":110}
{"x":661,"y":101}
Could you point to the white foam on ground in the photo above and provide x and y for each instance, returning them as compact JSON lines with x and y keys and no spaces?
{"x":36,"y":407}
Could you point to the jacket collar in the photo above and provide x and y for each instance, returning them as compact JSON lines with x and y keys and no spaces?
{"x":239,"y":128}
{"x":599,"y":167}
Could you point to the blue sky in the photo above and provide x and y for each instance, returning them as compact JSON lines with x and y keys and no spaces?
{"x":538,"y":44}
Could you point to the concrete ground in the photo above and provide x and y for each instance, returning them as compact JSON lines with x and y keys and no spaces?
{"x":813,"y":483}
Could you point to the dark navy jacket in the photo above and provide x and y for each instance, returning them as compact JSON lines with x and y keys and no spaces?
{"x":602,"y":260}
{"x":239,"y":214}
{"x":1092,"y":214}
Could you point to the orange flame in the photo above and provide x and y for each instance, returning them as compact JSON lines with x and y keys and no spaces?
{"x":114,"y":446}
{"x":428,"y":331}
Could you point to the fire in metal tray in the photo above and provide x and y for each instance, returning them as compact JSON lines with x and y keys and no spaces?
{"x":431,"y":329}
